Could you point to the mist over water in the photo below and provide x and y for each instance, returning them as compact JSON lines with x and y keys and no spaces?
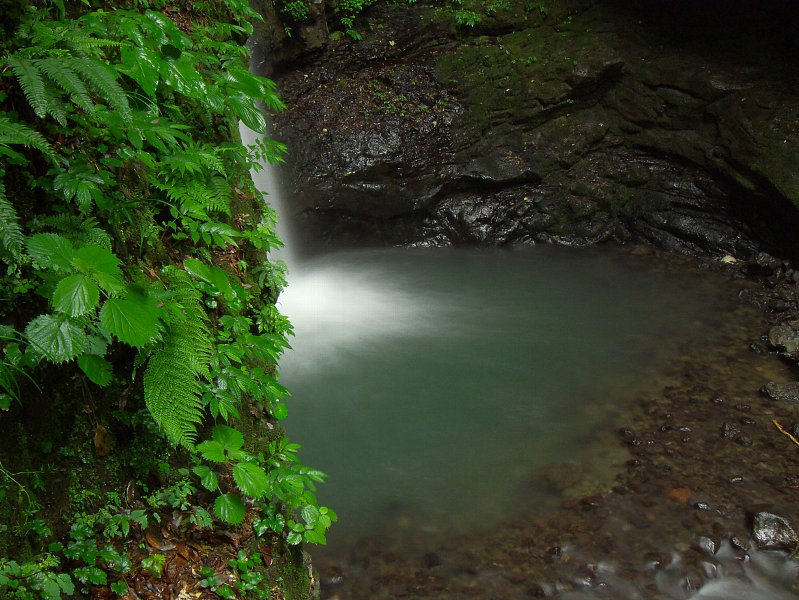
{"x":433,"y":386}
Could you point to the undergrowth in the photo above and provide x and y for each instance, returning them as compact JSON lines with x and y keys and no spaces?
{"x":135,"y":262}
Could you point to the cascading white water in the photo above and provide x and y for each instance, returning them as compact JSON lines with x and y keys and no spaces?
{"x":266,"y":180}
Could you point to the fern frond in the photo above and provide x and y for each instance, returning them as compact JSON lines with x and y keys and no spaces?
{"x":172,"y":388}
{"x":101,"y":77}
{"x":82,"y":43}
{"x":196,"y":198}
{"x":79,"y":231}
{"x":194,"y":160}
{"x":13,"y":132}
{"x":10,"y":231}
{"x":32,"y":84}
{"x":61,"y":73}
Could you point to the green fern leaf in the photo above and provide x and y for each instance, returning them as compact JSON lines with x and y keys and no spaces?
{"x":10,"y":231}
{"x":80,"y":43}
{"x":32,"y":84}
{"x":249,"y":114}
{"x":172,"y":389}
{"x":12,"y":132}
{"x":60,"y":71}
{"x":101,"y":77}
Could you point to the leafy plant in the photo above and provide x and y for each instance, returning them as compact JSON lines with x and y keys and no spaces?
{"x":128,"y":224}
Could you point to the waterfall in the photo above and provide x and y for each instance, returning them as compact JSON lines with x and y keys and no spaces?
{"x":266,"y":180}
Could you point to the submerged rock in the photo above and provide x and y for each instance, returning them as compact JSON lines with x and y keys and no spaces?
{"x":782,"y":391}
{"x":785,"y":338}
{"x":773,"y":532}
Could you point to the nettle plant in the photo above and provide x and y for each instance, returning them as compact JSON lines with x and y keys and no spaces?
{"x":122,"y":231}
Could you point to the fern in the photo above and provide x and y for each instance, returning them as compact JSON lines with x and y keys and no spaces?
{"x":172,"y":388}
{"x":101,"y":76}
{"x":10,"y":232}
{"x":41,"y":79}
{"x":12,"y":132}
{"x":32,"y":84}
{"x":196,"y":198}
{"x":60,"y":72}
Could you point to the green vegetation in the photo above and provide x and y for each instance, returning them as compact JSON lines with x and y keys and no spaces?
{"x":138,"y":311}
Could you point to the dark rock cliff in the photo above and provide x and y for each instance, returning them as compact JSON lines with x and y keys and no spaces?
{"x":584,"y":123}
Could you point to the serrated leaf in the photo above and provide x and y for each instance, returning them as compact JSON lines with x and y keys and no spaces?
{"x":230,"y":509}
{"x":212,"y":450}
{"x":56,"y":337}
{"x":65,"y":583}
{"x":96,"y":368}
{"x":76,"y":295}
{"x":231,"y":439}
{"x":101,"y":265}
{"x":133,"y":320}
{"x":251,"y":479}
{"x":207,"y":477}
{"x":51,"y":251}
{"x":248,"y":112}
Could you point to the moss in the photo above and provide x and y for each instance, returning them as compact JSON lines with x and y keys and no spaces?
{"x":290,"y":572}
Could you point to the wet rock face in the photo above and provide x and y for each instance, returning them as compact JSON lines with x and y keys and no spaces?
{"x":773,"y":532}
{"x":579,"y":126}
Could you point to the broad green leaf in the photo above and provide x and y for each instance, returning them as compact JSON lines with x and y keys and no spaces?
{"x":207,"y":477}
{"x":134,"y":319}
{"x":76,"y":295}
{"x":51,"y":251}
{"x":212,"y":450}
{"x":251,"y":479}
{"x":56,"y":337}
{"x":210,"y":274}
{"x":294,"y":538}
{"x":65,"y":582}
{"x":231,"y":439}
{"x":100,"y":264}
{"x":310,"y":515}
{"x":313,"y":536}
{"x":141,"y":65}
{"x":92,"y":575}
{"x":230,"y":509}
{"x":49,"y":587}
{"x":96,"y":368}
{"x":248,"y":112}
{"x":280,"y":411}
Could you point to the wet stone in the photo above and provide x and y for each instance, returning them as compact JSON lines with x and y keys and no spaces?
{"x":730,"y":430}
{"x":782,"y":391}
{"x":785,"y":338}
{"x":773,"y":532}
